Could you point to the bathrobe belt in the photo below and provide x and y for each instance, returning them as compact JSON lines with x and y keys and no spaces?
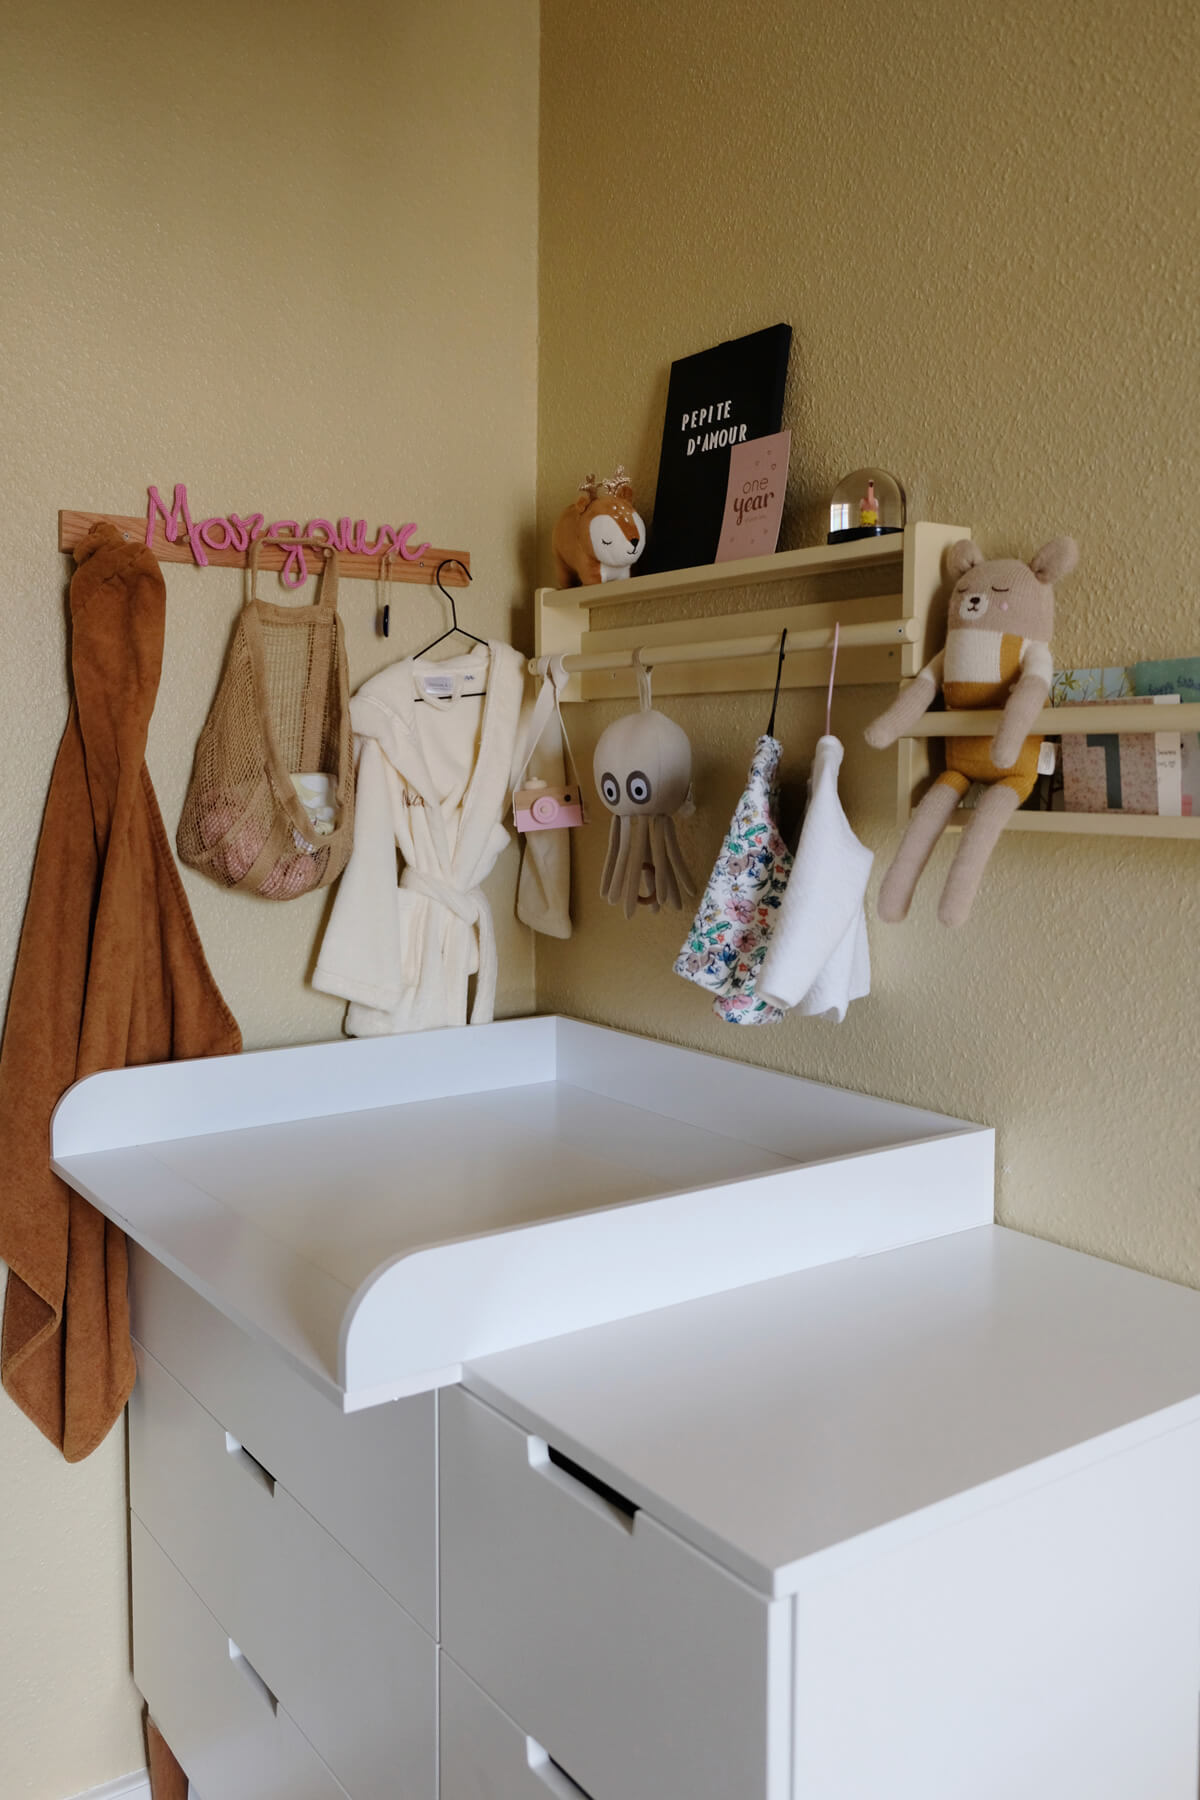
{"x":471,"y":906}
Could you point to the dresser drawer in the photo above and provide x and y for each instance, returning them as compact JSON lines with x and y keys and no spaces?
{"x":368,"y":1477}
{"x":222,"y":1722}
{"x":355,"y":1672}
{"x":641,"y":1667}
{"x":484,"y":1756}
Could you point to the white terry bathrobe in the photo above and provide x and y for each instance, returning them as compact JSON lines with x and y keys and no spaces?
{"x":435,"y":775}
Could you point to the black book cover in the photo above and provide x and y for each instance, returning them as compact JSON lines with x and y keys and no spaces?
{"x":717,"y":398}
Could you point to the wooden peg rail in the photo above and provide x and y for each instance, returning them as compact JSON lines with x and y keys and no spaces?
{"x":74,"y":526}
{"x":851,"y":637}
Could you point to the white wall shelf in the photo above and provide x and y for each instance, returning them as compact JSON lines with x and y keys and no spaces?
{"x":1145,"y":825}
{"x":1056,"y":721}
{"x":1068,"y":721}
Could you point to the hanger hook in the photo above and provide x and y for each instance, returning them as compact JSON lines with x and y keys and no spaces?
{"x":837,"y":631}
{"x":778,"y":679}
{"x":449,"y":598}
{"x":437,"y":576}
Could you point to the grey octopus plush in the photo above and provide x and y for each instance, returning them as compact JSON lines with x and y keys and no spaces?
{"x":643,"y":770}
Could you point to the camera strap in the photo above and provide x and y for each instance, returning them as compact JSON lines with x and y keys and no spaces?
{"x":549,"y":701}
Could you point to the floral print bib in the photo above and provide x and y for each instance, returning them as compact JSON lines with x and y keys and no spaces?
{"x":728,"y":939}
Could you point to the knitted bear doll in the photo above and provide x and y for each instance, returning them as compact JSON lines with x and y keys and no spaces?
{"x":997,"y":654}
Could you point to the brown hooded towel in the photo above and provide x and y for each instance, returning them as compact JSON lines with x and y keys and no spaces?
{"x":110,"y":972}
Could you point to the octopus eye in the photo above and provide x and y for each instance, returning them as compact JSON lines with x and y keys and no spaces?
{"x":638,"y":787}
{"x":610,"y":787}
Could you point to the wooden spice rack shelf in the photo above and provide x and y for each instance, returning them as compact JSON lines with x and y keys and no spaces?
{"x":883,"y":634}
{"x":884,"y":637}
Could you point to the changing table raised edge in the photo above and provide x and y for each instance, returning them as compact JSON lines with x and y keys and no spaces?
{"x":588,"y":1175}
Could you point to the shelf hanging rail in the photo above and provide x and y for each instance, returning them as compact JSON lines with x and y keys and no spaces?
{"x":888,"y":632}
{"x":1055,"y":721}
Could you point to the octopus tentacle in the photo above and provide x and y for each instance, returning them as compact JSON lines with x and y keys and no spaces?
{"x":633,"y":869}
{"x":665,"y":883}
{"x":614,"y":868}
{"x":679,"y":865}
{"x":644,"y":865}
{"x":621,"y":874}
{"x":623,"y":861}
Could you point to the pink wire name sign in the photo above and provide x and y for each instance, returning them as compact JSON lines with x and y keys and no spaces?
{"x":237,"y":531}
{"x":224,"y":541}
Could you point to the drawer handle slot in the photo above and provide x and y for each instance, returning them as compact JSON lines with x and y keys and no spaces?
{"x":573,"y":1478}
{"x":588,"y":1480}
{"x":249,"y":1463}
{"x":551,"y":1775}
{"x":250,"y":1673}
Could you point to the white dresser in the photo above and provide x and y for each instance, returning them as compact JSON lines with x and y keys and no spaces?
{"x":914,"y":1516}
{"x":923,"y":1525}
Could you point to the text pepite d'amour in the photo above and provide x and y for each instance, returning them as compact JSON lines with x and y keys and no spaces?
{"x":718,"y":439}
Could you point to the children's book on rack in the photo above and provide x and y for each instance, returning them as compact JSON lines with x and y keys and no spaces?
{"x":1114,"y":772}
{"x":717,"y":400}
{"x":1177,"y":675}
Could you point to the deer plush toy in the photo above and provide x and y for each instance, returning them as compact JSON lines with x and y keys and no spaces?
{"x":997,"y":654}
{"x":599,"y":537}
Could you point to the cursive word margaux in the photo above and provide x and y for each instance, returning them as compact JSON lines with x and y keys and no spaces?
{"x":232,"y":531}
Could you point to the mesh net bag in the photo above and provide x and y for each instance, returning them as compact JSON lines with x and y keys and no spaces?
{"x":281,"y":714}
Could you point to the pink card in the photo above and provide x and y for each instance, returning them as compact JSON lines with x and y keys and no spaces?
{"x":754,"y":499}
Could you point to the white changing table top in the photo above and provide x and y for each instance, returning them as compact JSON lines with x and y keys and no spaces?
{"x":826,"y":1415}
{"x":382,"y":1209}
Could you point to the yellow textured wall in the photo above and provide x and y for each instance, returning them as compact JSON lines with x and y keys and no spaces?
{"x":981,"y":222}
{"x":287,"y":254}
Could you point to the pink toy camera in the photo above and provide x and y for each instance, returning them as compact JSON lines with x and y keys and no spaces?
{"x":537,"y":807}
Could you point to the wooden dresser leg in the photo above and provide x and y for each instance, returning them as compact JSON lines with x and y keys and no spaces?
{"x":167,"y":1779}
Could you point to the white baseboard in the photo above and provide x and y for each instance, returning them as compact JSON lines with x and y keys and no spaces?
{"x":125,"y":1787}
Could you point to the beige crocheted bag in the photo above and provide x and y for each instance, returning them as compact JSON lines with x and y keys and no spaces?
{"x":278,"y":727}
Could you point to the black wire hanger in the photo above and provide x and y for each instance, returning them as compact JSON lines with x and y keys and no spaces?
{"x":778,"y":679}
{"x":454,"y":624}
